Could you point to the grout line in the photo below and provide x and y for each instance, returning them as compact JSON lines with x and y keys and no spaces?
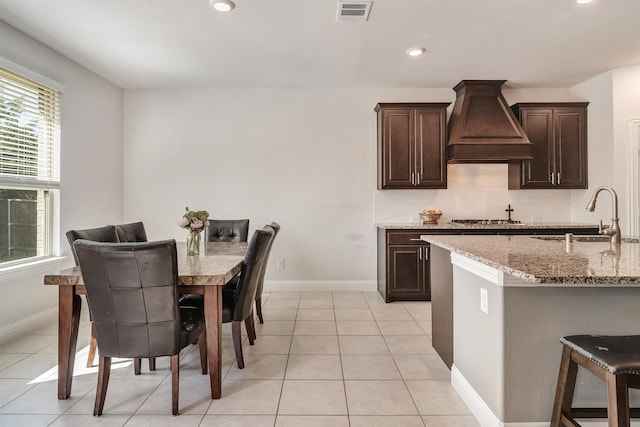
{"x":344,"y":383}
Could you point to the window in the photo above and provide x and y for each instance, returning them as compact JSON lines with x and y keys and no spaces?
{"x":29,"y":166}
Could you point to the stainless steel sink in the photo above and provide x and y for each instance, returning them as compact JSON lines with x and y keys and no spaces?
{"x":593,"y":238}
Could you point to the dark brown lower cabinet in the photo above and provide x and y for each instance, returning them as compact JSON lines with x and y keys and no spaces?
{"x":408,"y":271}
{"x":403,"y":274}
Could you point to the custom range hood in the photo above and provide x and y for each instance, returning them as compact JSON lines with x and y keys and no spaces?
{"x":482,"y":127}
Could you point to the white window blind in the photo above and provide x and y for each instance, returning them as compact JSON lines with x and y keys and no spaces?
{"x":29,"y":133}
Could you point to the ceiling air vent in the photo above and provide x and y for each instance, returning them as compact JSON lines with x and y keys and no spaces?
{"x":351,"y":11}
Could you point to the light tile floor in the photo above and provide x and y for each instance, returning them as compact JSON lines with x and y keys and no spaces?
{"x":321,"y":359}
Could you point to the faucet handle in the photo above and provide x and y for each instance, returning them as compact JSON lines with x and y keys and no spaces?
{"x":606,"y":230}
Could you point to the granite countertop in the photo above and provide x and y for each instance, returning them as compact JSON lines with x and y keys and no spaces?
{"x":447,"y":226}
{"x":215,"y":265}
{"x":548,"y":259}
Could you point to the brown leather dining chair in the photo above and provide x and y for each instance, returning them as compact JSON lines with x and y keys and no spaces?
{"x":237,"y":307}
{"x":276,"y":230}
{"x":237,"y":303}
{"x":234,"y":282}
{"x":132,"y":292}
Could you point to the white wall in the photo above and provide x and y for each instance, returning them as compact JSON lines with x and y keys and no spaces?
{"x":614,"y":100}
{"x":302,"y":158}
{"x":626,"y":107}
{"x":91,"y":177}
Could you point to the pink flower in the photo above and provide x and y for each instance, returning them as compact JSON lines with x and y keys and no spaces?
{"x":196,"y":223}
{"x":184,"y":222}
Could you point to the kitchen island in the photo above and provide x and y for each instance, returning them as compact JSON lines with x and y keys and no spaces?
{"x":513,"y":298}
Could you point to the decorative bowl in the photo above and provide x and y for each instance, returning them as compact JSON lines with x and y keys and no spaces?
{"x":430,"y":218}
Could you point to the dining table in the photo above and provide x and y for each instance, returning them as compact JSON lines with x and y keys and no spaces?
{"x":204,"y":274}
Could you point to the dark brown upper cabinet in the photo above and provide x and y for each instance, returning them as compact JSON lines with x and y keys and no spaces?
{"x":411,"y":145}
{"x":558,"y":132}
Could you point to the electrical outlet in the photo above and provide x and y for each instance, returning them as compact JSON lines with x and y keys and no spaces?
{"x":484,"y":301}
{"x":280,"y":264}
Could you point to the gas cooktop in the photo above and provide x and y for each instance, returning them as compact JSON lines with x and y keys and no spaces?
{"x":485,"y":222}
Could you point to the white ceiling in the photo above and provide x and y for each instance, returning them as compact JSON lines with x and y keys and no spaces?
{"x":140,"y":44}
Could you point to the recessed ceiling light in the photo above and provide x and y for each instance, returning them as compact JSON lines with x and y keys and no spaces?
{"x":583,"y":1}
{"x":415,"y":51}
{"x":222,"y":5}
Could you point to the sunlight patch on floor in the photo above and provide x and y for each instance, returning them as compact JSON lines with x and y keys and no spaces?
{"x":80,"y":367}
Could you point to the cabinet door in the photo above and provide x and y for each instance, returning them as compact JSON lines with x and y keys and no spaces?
{"x":406,"y":272}
{"x":538,"y":125}
{"x":430,"y":145}
{"x":558,"y":133}
{"x":398,"y":155}
{"x":570,"y":147}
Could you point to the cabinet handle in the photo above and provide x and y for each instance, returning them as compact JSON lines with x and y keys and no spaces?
{"x":558,"y":178}
{"x":413,"y":178}
{"x":416,"y":240}
{"x":426,"y":254}
{"x":553,"y":178}
{"x":420,"y":253}
{"x":418,"y":178}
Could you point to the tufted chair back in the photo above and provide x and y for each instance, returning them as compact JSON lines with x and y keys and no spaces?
{"x":132,"y":291}
{"x":130,"y":233}
{"x":101,"y":234}
{"x":228,"y":230}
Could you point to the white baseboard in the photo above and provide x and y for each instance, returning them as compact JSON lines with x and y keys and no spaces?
{"x":477,"y":406}
{"x":29,"y":324}
{"x":320,"y":285}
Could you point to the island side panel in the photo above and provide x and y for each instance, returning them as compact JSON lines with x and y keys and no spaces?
{"x":382,"y":263}
{"x":442,"y":303}
{"x":511,"y":356}
{"x":535,"y":319}
{"x":478,"y":337}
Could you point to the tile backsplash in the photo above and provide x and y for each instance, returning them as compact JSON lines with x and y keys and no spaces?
{"x":474,"y":191}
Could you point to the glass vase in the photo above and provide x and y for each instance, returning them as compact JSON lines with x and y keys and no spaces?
{"x":193,"y":243}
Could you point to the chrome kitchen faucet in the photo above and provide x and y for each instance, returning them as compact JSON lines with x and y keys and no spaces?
{"x":614,"y":230}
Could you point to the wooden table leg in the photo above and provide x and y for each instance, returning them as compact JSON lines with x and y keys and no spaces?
{"x":213,"y":321}
{"x":68,"y":322}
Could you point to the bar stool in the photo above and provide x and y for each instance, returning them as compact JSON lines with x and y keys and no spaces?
{"x":615,"y":360}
